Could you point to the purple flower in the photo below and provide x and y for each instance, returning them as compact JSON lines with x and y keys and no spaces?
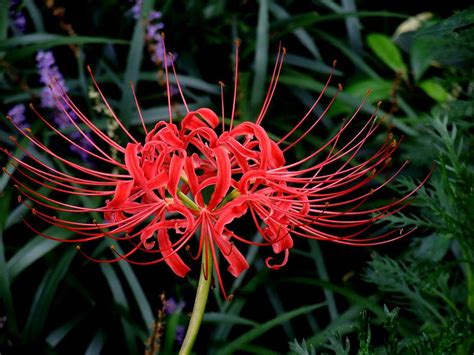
{"x":152,"y":30}
{"x":54,"y":81}
{"x":158,"y":55}
{"x":154,"y":15}
{"x":171,"y":306}
{"x":17,"y":113}
{"x":180,"y":331}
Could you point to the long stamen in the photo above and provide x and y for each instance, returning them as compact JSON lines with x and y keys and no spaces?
{"x":138,"y":108}
{"x":165,"y":64}
{"x":221,"y":84}
{"x":177,"y":82}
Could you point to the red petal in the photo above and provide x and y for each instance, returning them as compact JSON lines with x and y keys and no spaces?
{"x":175,"y":170}
{"x":133,"y":164}
{"x":200,"y":118}
{"x":171,"y":258}
{"x":223,"y":177}
{"x":233,"y":256}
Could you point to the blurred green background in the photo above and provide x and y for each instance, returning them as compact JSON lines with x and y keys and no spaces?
{"x":415,"y":296}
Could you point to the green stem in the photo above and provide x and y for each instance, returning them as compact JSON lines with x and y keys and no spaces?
{"x":187,"y":201}
{"x":199,"y":304}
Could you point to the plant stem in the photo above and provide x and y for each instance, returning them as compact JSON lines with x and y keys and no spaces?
{"x":199,"y":303}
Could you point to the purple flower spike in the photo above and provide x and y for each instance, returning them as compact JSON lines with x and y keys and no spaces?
{"x":49,"y":73}
{"x":136,"y":9}
{"x":17,"y":113}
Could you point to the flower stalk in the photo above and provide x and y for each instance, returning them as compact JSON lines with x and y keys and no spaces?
{"x":200,"y":301}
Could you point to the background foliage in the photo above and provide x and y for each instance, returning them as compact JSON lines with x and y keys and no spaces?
{"x":415,"y":296}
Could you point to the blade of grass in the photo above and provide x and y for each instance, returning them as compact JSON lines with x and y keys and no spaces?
{"x":96,"y":344}
{"x":318,"y":259}
{"x":263,"y":328}
{"x":35,"y":249}
{"x":137,"y":291}
{"x":5,"y":289}
{"x":44,"y":297}
{"x":134,"y":60}
{"x":354,"y":57}
{"x":170,"y":333}
{"x":310,"y":64}
{"x":276,"y":302}
{"x":282,"y":27}
{"x":353,"y":25}
{"x":57,"y":335}
{"x":255,"y":349}
{"x":220,"y":318}
{"x":237,"y":304}
{"x":305,"y":39}
{"x":366,"y":302}
{"x":25,"y":46}
{"x":120,"y":300}
{"x":35,"y":15}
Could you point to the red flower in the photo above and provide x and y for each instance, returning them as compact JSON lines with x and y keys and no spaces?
{"x":196,"y":178}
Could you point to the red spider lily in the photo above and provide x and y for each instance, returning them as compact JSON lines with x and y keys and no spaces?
{"x":196,"y":177}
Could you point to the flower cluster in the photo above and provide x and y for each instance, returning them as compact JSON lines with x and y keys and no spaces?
{"x":63,"y":115}
{"x":191,"y":180}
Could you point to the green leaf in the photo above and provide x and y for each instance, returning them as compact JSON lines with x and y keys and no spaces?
{"x":32,"y":43}
{"x":420,"y":58}
{"x":434,"y":90}
{"x":305,"y":39}
{"x":96,"y":344}
{"x":261,"y":56}
{"x":449,"y":42}
{"x":35,"y":15}
{"x":307,"y":82}
{"x":137,"y":290}
{"x":348,"y":52}
{"x":263,"y":328}
{"x":222,"y":318}
{"x":31,"y":251}
{"x":380,"y":89}
{"x":310,"y":64}
{"x":308,"y":19}
{"x":5,"y":289}
{"x":366,"y":302}
{"x":44,"y":297}
{"x":387,"y":51}
{"x":134,"y":60}
{"x":353,"y":25}
{"x":57,"y":335}
{"x":120,"y":300}
{"x":172,"y":322}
